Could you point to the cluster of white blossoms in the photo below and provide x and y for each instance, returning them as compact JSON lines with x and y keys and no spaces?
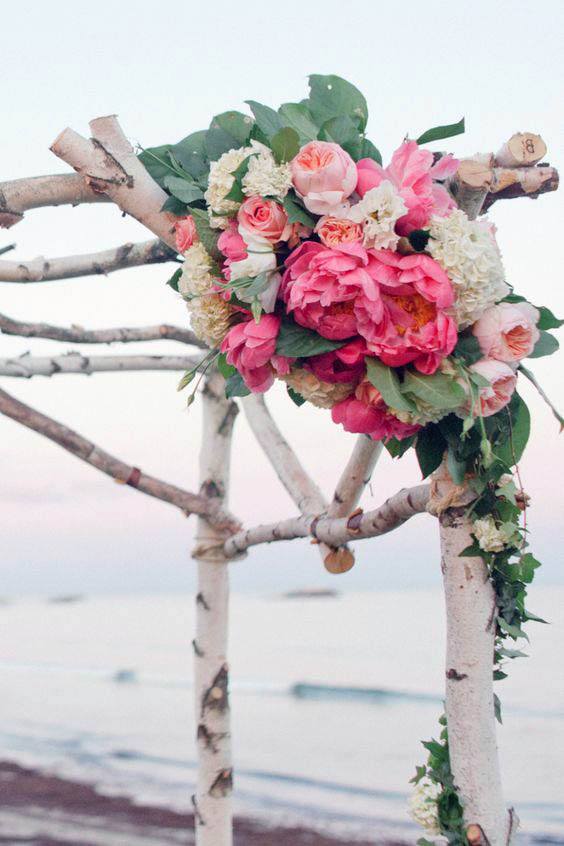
{"x":210,"y":318}
{"x":490,"y":538}
{"x":221,"y":181}
{"x":467,"y":251}
{"x":316,"y":391}
{"x":423,"y":806}
{"x":424,"y":413}
{"x":266,"y":178}
{"x":196,"y":278}
{"x":378,"y":211}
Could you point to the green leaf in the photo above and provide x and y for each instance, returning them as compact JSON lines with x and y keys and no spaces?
{"x":235,"y":386}
{"x":267,"y":120}
{"x":438,"y":390}
{"x":236,"y":193}
{"x":385,"y":379}
{"x":186,"y":379}
{"x":456,"y":466}
{"x":397,"y":448}
{"x":548,"y":320}
{"x":285,"y":144}
{"x":419,"y":238}
{"x":437,"y":133}
{"x":224,"y":368}
{"x":546,"y":345}
{"x":332,"y":96}
{"x":190,"y":153}
{"x":296,"y":342}
{"x":497,"y":708}
{"x":298,"y":116}
{"x":156,"y":162}
{"x":297,"y":213}
{"x":430,"y":449}
{"x":207,"y":235}
{"x":171,"y":204}
{"x":183,"y":189}
{"x":513,"y":631}
{"x":235,"y":124}
{"x":173,"y":281}
{"x":342,"y":130}
{"x":519,"y":417}
{"x":370,"y":151}
{"x":296,"y":398}
{"x":527,"y":566}
{"x":468,"y":349}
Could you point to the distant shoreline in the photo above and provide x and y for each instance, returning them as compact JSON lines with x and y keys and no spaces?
{"x":42,"y":809}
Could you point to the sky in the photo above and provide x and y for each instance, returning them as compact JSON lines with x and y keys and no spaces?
{"x":166,"y":70}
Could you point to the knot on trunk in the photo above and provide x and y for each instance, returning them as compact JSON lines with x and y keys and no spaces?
{"x":216,"y":697}
{"x":222,"y":785}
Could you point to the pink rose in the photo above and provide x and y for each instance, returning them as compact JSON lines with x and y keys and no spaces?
{"x":502,"y":381}
{"x":233,"y":248}
{"x":412,"y":172}
{"x":185,"y":233}
{"x":250,"y":347}
{"x":414,"y":291}
{"x":323,"y":175}
{"x":508,"y":331}
{"x":343,"y":365}
{"x":327,"y":289}
{"x":333,"y":231}
{"x":366,"y":412}
{"x":263,"y":220}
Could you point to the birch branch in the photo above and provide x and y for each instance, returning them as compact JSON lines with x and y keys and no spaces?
{"x":25,"y":366}
{"x":19,"y":195}
{"x":212,"y":801}
{"x":337,"y":531}
{"x":355,"y":476}
{"x":78,"y":335}
{"x":41,"y":269}
{"x":109,"y":166}
{"x":124,"y":473}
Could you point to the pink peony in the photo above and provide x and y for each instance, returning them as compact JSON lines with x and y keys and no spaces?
{"x":329,"y":289}
{"x":412,"y":172}
{"x":498,"y":393}
{"x":263,"y":220}
{"x":333,"y":231}
{"x":233,"y":248}
{"x":508,"y":331}
{"x":323,"y":175}
{"x":250,"y":347}
{"x":414,"y":291}
{"x":366,"y":412}
{"x":185,"y":233}
{"x":343,"y":365}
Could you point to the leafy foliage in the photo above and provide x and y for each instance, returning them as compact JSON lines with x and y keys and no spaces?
{"x":296,"y":342}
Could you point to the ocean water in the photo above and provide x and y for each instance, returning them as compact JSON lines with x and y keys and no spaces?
{"x":331,"y":697}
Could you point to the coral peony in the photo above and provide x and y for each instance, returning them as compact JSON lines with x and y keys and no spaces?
{"x":366,"y":412}
{"x":250,"y":347}
{"x":412,"y":172}
{"x":343,"y":365}
{"x":323,"y":175}
{"x":498,"y":393}
{"x":185,"y":233}
{"x":508,"y":331}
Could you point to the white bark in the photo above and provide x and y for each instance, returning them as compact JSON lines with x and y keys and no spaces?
{"x":41,"y":269}
{"x":109,"y":166}
{"x":79,"y":335}
{"x":212,"y":801}
{"x":19,"y":195}
{"x":471,"y":615}
{"x":336,"y":531}
{"x":25,"y":366}
{"x":355,"y":476}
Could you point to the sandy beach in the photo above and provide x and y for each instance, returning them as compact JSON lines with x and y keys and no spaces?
{"x":45,"y":810}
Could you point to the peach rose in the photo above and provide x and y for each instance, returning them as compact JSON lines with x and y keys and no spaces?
{"x":323,"y":175}
{"x":333,"y":231}
{"x":185,"y":233}
{"x":263,"y":221}
{"x":508,"y":331}
{"x":498,"y":393}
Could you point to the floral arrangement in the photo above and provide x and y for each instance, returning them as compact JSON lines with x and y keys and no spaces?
{"x":370,"y":293}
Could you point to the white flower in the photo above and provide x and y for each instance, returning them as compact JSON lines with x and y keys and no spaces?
{"x":467,"y":251}
{"x":424,"y":413}
{"x":259,"y":260}
{"x":266,"y":178}
{"x":220,"y":183}
{"x":489,"y":537}
{"x":196,"y":278}
{"x":423,"y":806}
{"x":210,"y":318}
{"x":378,"y":212}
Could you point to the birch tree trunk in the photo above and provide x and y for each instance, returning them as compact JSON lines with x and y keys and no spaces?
{"x":212,"y":801}
{"x":471,"y":615}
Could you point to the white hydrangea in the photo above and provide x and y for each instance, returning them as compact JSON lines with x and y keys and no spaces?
{"x":469,"y":254}
{"x":316,"y":391}
{"x":425,"y":413}
{"x":378,"y":212}
{"x":210,"y":318}
{"x":489,"y":537}
{"x":423,"y":806}
{"x":196,"y":278}
{"x":221,"y":180}
{"x":266,"y":178}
